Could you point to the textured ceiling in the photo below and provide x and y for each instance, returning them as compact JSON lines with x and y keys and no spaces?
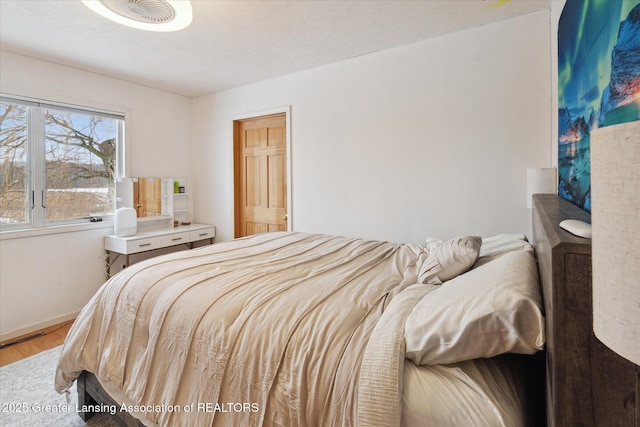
{"x":233,"y":43}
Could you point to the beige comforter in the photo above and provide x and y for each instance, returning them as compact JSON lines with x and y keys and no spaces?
{"x":277,"y":329}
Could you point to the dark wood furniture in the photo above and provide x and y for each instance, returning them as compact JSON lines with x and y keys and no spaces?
{"x":587,"y":384}
{"x":91,"y":394}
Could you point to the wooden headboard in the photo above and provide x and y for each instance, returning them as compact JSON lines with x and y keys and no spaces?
{"x":586,"y":383}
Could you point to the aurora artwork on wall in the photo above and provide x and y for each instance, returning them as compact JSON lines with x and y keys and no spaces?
{"x":598,"y":83}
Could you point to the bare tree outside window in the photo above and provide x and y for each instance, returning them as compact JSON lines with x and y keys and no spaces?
{"x":80,"y":165}
{"x":77,"y":162}
{"x":13,"y":163}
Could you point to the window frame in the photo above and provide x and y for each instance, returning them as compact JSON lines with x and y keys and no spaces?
{"x":36,"y":187}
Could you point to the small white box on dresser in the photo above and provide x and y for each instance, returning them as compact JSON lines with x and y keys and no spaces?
{"x":125,"y":222}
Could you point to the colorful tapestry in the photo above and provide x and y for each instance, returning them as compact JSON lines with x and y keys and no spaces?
{"x":598,"y":83}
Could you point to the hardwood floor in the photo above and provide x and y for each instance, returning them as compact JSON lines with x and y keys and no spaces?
{"x":50,"y":337}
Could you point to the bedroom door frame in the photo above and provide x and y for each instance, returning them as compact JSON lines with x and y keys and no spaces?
{"x":234,"y":179}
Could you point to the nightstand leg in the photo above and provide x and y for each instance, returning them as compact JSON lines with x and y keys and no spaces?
{"x":108,"y":264}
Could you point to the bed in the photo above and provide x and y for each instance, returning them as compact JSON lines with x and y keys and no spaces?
{"x":290,"y":328}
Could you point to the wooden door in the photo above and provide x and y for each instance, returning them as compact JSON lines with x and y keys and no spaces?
{"x":260,"y":175}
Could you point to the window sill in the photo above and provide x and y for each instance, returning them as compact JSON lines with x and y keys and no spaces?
{"x":56,"y":229}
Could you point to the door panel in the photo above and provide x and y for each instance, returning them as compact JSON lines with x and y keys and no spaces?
{"x":261,"y":187}
{"x":277,"y":188}
{"x":252,"y":181}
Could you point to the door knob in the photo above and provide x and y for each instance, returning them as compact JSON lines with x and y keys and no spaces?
{"x":285,"y":218}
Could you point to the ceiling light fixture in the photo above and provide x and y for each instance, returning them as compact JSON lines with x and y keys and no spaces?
{"x":150,"y":15}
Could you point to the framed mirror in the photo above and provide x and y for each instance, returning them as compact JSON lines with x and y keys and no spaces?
{"x":148,"y":196}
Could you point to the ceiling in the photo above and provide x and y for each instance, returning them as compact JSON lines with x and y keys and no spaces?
{"x":234,"y":43}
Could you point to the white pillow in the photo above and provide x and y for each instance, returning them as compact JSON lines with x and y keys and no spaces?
{"x":490,"y":310}
{"x":450,"y":259}
{"x":500,"y":244}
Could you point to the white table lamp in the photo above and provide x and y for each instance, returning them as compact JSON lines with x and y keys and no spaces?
{"x":540,"y":181}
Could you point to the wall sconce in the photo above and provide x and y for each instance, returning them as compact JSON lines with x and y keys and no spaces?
{"x":615,"y":251}
{"x":541,"y":181}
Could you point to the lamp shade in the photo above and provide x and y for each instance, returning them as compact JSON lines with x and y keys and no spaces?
{"x":540,"y":181}
{"x":615,"y":220}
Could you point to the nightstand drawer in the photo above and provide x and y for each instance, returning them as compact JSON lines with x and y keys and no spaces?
{"x":176,"y":239}
{"x":140,"y":245}
{"x":157,"y":239}
{"x":205,"y":233}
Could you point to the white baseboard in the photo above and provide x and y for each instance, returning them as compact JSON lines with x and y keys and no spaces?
{"x":15,"y":333}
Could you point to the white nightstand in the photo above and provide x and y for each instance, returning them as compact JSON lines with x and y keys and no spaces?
{"x":157,"y":239}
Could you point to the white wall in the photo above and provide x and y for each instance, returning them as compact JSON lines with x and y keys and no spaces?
{"x":431,"y":139}
{"x":47,"y":279}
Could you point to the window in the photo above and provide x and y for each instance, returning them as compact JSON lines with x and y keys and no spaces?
{"x":58,"y":165}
